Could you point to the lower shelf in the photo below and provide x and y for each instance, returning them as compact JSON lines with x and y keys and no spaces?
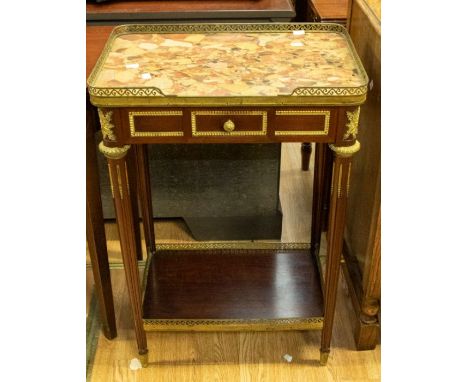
{"x":219,"y":290}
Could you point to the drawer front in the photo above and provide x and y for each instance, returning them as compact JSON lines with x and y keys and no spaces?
{"x":307,"y":123}
{"x":228,"y":123}
{"x":164,"y":123}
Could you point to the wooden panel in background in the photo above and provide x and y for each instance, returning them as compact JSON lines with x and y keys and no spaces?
{"x":363,"y":222}
{"x":328,"y":10}
{"x":190,"y":10}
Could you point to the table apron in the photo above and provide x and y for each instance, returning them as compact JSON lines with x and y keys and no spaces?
{"x":140,"y":125}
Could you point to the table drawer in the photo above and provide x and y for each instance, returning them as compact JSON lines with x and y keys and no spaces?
{"x":228,"y":123}
{"x":160,"y":123}
{"x":307,"y":123}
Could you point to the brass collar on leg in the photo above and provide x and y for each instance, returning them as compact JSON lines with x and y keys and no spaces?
{"x":345,"y":151}
{"x":113,"y":152}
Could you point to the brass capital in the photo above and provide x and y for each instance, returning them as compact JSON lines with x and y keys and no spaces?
{"x":113,"y":152}
{"x":345,"y":151}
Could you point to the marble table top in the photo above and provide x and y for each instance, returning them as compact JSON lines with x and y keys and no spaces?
{"x":230,"y":64}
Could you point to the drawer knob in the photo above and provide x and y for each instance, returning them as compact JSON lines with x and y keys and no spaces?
{"x":229,"y":126}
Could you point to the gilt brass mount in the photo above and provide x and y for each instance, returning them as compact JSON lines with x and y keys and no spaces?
{"x":229,"y":126}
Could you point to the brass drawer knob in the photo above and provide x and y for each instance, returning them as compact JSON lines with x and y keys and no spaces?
{"x":229,"y":126}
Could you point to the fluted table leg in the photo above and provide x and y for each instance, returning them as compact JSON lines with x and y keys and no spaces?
{"x":118,"y":170}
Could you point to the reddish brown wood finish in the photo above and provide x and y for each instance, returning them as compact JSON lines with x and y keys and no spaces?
{"x":144,"y":188}
{"x":327,"y":178}
{"x":306,"y":150}
{"x":132,"y":181}
{"x":338,"y":201}
{"x":362,"y":256}
{"x":328,"y":10}
{"x":95,"y":233}
{"x":96,"y":38}
{"x":317,"y":201}
{"x":191,"y":10}
{"x":214,"y":123}
{"x":233,"y":284}
{"x":366,"y":326}
{"x":118,"y":171}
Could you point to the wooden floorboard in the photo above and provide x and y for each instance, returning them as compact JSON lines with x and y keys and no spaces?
{"x":234,"y":356}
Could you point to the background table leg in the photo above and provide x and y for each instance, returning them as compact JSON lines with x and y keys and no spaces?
{"x":306,"y":150}
{"x":95,"y":233}
{"x":134,"y":195}
{"x":318,"y":192}
{"x":144,"y":190}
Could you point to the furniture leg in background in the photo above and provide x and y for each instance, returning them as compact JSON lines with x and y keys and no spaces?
{"x":144,"y":193}
{"x":327,"y":178}
{"x":95,"y":233}
{"x":306,"y":150}
{"x":118,"y":171}
{"x":133,"y":179}
{"x":318,"y":192}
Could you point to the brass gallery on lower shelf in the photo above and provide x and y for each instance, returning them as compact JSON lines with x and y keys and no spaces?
{"x":233,"y":324}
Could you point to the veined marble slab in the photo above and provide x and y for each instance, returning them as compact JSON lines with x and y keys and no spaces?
{"x":225,"y":64}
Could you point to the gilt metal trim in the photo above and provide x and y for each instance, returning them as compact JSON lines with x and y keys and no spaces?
{"x":234,"y":133}
{"x":113,"y":152}
{"x":352,"y":124}
{"x":349,"y":180}
{"x":140,"y":96}
{"x":235,"y":245}
{"x":326,"y":125}
{"x":345,"y":151}
{"x":232,"y":324}
{"x":167,"y":113}
{"x":107,"y":126}
{"x":340,"y":173}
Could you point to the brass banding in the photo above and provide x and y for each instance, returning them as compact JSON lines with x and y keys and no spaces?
{"x":231,"y":245}
{"x":197,"y":133}
{"x":168,"y":113}
{"x":326,"y":124}
{"x":233,"y":324}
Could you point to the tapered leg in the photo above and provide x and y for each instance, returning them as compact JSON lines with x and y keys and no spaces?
{"x":118,"y":170}
{"x":133,"y":184}
{"x":95,"y":233}
{"x":306,"y":150}
{"x":100,"y":265}
{"x":317,"y":201}
{"x":328,"y":154}
{"x":144,"y":190}
{"x":338,"y":200}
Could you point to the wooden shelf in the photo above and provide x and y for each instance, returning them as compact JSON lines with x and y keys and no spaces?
{"x":250,"y":289}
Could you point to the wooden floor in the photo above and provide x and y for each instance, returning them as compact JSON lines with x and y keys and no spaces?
{"x":255,"y":356}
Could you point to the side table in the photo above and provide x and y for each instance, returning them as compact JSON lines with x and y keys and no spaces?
{"x":100,"y":21}
{"x":230,"y":83}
